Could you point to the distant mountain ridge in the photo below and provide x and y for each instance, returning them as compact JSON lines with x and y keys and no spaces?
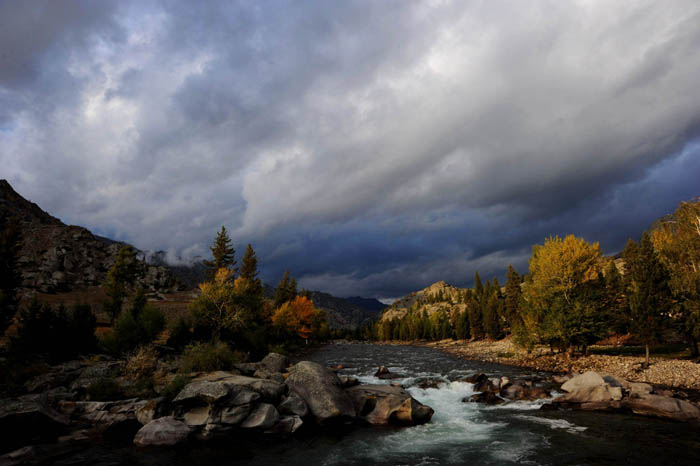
{"x":55,"y":257}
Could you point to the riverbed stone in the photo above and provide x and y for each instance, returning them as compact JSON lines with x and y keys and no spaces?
{"x":585,"y":380}
{"x":274,"y":362}
{"x":388,"y":404}
{"x":664,"y":407}
{"x":321,"y":390}
{"x":286,"y":425}
{"x":164,"y":431}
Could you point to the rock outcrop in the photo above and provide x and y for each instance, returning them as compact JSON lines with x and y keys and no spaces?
{"x":388,"y":404}
{"x":164,"y":431}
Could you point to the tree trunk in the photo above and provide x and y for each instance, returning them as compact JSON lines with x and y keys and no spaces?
{"x":693,"y":343}
{"x":646,"y":348}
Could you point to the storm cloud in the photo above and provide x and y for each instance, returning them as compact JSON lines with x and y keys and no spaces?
{"x":370,"y":147}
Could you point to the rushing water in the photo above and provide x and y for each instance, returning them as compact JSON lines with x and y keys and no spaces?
{"x":459,"y":433}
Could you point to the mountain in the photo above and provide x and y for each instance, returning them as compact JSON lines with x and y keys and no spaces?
{"x":343,"y":313}
{"x":347,"y":313}
{"x":55,"y":257}
{"x":189,"y":273}
{"x":438,"y":296}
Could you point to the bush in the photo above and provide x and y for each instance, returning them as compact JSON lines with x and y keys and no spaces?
{"x":180,"y":334}
{"x":141,"y":364}
{"x":208,"y":357}
{"x":133,"y":330}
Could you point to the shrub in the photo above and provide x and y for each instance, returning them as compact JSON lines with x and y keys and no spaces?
{"x":207,"y":357}
{"x":180,"y":334}
{"x":133,"y":330}
{"x":142,"y":363}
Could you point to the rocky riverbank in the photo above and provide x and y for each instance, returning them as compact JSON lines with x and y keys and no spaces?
{"x":667,"y":372}
{"x":269,"y":398}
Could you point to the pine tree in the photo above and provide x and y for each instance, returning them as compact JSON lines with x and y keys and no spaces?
{"x":476,"y":326}
{"x":286,"y":289}
{"x":650,"y":296}
{"x":249,"y":271}
{"x":478,"y":286}
{"x":223,"y":253}
{"x":512,"y":298}
{"x":492,"y":324}
{"x":10,"y":278}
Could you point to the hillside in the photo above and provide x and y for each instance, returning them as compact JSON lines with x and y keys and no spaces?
{"x":347,"y":313}
{"x":55,"y":257}
{"x":439,"y":295}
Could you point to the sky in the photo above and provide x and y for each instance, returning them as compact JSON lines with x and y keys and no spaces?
{"x":370,"y":147}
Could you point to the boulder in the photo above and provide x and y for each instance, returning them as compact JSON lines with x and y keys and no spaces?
{"x":388,"y":404}
{"x":588,"y":394}
{"x":265,"y":374}
{"x":164,"y":431}
{"x":263,"y":417}
{"x":148,"y":411}
{"x":24,"y":421}
{"x":523,"y":390}
{"x":218,"y":386}
{"x":321,"y":390}
{"x":104,"y":413}
{"x":199,"y":416}
{"x":585,"y":380}
{"x":293,"y":405}
{"x":234,"y":415}
{"x":489,"y":398}
{"x":347,"y":381}
{"x":481,"y":382}
{"x":274,"y":362}
{"x":663,"y":406}
{"x":640,"y":389}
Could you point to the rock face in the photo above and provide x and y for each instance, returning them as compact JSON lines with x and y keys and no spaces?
{"x":321,"y":390}
{"x":274,"y":362}
{"x":164,"y":431}
{"x":605,"y":392}
{"x":59,"y":257}
{"x":388,"y":404}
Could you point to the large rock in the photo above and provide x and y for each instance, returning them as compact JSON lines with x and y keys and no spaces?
{"x":274,"y":362}
{"x":164,"y":431}
{"x":104,"y":413}
{"x":219,"y":385}
{"x":263,"y":417}
{"x":591,"y":394}
{"x":321,"y":390}
{"x":388,"y":404}
{"x":287,"y":425}
{"x":24,"y":421}
{"x":663,"y":406}
{"x":585,"y":380}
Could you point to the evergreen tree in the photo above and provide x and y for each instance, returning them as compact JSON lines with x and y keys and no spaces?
{"x":476,"y":325}
{"x":223,"y":253}
{"x":10,"y":278}
{"x":120,"y":277}
{"x":512,"y":298}
{"x":650,"y":295}
{"x":286,"y":289}
{"x":492,"y":324}
{"x":249,"y":271}
{"x":478,"y":286}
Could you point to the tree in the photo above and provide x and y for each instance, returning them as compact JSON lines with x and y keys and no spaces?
{"x":120,"y":277}
{"x":476,"y":321}
{"x":286,"y":289}
{"x":650,"y":295}
{"x":512,"y":298}
{"x":299,"y":317}
{"x":223,"y":253}
{"x":492,"y":321}
{"x":10,"y":278}
{"x":216,"y":307}
{"x":249,"y":272}
{"x":678,"y":244}
{"x":478,"y":286}
{"x":553,"y":291}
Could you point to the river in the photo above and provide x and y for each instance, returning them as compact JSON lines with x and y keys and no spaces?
{"x":459,"y":433}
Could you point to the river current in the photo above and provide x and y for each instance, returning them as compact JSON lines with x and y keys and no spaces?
{"x":459,"y":433}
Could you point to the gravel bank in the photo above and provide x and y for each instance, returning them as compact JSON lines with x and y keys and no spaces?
{"x":668,"y":372}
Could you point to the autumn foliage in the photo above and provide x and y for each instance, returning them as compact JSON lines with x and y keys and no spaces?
{"x":298,"y":317}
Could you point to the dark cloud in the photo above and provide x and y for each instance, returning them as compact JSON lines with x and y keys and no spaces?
{"x":370,"y":147}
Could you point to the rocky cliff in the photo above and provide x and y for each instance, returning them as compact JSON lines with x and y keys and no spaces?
{"x":438,"y":296}
{"x":57,"y":257}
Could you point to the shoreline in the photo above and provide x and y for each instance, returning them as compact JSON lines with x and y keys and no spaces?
{"x":671,"y":373}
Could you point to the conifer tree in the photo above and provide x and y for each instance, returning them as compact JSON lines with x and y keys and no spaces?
{"x":249,"y":271}
{"x":512,"y":298}
{"x":476,"y":326}
{"x":10,"y":278}
{"x":478,"y":286}
{"x":286,"y":289}
{"x":650,"y":295}
{"x":492,"y":324}
{"x":223,"y":253}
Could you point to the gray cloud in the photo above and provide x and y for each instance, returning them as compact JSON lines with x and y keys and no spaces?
{"x":370,"y":147}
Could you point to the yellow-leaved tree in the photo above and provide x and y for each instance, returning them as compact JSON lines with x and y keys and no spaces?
{"x":298,"y":317}
{"x":559,"y":308}
{"x":217,"y":307}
